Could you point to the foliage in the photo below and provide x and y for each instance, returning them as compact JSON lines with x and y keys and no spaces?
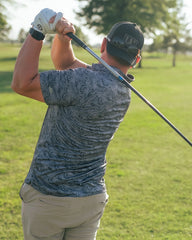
{"x":102,"y":14}
{"x":150,"y":15}
{"x":4,"y":26}
{"x":149,"y":166}
{"x":175,"y":36}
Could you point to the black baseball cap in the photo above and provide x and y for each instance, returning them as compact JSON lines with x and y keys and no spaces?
{"x":124,"y":41}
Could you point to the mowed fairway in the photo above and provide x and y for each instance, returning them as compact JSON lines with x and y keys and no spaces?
{"x":149,"y":172}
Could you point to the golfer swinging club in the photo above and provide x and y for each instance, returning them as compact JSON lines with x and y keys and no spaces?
{"x":64,"y":193}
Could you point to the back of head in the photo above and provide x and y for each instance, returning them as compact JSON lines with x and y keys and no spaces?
{"x":125,"y":41}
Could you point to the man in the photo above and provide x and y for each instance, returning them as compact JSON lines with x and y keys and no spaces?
{"x":64,"y":194}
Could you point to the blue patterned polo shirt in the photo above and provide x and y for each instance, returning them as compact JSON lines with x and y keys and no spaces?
{"x":85,"y":108}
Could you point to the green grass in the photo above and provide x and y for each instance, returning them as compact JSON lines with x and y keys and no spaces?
{"x":149,"y":166}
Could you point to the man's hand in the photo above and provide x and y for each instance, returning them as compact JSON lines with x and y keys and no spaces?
{"x":62,"y":52}
{"x":46,"y":20}
{"x":63,"y":27}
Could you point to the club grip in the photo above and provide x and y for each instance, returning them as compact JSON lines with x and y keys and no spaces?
{"x":77,"y":40}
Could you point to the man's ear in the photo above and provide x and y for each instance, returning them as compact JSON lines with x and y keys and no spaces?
{"x":103,"y":45}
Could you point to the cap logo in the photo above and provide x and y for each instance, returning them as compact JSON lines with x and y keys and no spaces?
{"x":130,"y":41}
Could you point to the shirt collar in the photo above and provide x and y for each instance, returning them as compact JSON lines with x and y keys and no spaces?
{"x":99,"y":67}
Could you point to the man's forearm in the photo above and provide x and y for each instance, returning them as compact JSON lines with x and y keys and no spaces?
{"x":62,"y":53}
{"x":26,"y":67}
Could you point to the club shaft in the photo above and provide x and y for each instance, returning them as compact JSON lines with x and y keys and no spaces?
{"x":123,"y":80}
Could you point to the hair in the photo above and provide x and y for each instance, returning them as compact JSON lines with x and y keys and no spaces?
{"x":121,"y":61}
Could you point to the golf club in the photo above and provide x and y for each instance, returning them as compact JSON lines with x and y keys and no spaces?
{"x":124,"y":81}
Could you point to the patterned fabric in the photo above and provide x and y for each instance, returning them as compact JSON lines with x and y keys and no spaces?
{"x":85,"y":108}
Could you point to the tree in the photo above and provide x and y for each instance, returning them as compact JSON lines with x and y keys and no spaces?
{"x":149,"y":14}
{"x":4,"y":26}
{"x":174,"y":36}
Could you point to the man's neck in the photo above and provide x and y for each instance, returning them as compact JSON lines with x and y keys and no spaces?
{"x":112,"y":62}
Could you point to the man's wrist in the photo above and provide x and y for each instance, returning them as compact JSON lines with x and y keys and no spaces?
{"x":36,"y":34}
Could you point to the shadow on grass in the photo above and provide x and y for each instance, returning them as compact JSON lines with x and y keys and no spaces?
{"x":5,"y":82}
{"x":8,"y":59}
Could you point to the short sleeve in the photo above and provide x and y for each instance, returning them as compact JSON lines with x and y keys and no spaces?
{"x":59,"y":87}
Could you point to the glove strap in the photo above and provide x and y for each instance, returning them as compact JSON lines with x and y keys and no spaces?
{"x":36,"y":34}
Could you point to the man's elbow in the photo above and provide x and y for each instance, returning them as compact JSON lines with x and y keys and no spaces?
{"x":17,"y":86}
{"x":14,"y":86}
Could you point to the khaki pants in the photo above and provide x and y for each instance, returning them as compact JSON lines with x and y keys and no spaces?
{"x":48,"y":217}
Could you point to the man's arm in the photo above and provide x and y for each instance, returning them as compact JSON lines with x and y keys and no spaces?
{"x":62,"y":52}
{"x":26,"y":79}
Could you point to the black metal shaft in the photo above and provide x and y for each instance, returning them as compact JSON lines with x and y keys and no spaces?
{"x":122,"y":79}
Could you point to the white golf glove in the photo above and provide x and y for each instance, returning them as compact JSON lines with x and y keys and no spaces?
{"x":41,"y":21}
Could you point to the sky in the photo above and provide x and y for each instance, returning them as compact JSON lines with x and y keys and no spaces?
{"x":21,"y":16}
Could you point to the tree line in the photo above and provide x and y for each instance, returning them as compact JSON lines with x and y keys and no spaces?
{"x":162,"y":21}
